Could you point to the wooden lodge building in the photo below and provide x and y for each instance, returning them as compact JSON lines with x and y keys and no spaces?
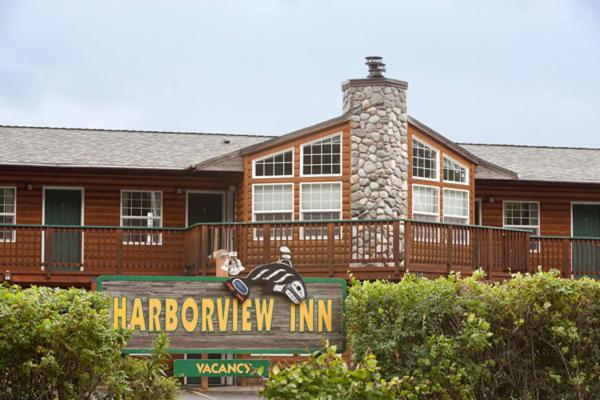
{"x":372,"y":191}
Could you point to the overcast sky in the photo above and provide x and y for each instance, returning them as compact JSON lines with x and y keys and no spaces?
{"x":525,"y":72}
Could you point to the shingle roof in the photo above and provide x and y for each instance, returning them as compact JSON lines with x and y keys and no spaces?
{"x":540,"y":163}
{"x":68,"y":147}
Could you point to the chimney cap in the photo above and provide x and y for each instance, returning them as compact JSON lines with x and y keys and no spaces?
{"x":376,"y":67}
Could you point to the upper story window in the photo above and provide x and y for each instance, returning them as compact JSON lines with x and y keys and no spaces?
{"x":273,"y":202}
{"x":454,"y":172}
{"x":456,"y":206}
{"x":323,"y":156}
{"x":8,"y":212}
{"x":141,"y":209}
{"x":426,"y":203}
{"x":275,"y":165}
{"x":425,"y":161}
{"x":522,"y":215}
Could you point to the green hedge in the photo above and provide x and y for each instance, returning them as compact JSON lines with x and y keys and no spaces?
{"x":532,"y":337}
{"x":57,"y":344}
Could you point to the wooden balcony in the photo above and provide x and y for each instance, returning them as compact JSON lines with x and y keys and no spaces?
{"x":366,"y":249}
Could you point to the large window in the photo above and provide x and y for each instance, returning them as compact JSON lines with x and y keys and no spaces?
{"x":273,"y":203}
{"x":454,"y":172}
{"x":323,"y":157}
{"x":280,"y":165}
{"x":425,"y":161}
{"x":8,"y":213}
{"x":456,"y":206}
{"x":426,"y":203}
{"x":522,"y":215}
{"x":320,"y":201}
{"x":141,"y":209}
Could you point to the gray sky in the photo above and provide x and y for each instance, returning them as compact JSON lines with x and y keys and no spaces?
{"x":525,"y":72}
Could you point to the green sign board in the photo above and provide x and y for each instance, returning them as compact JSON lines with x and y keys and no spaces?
{"x":210,"y":368}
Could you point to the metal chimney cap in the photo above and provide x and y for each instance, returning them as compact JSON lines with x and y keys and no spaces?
{"x":376,"y":67}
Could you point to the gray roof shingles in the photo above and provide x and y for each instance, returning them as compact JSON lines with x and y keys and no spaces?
{"x":69,"y":147}
{"x":540,"y":163}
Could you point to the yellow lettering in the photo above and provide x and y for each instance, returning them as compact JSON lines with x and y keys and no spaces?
{"x":264,"y":315}
{"x":324,"y":315}
{"x":154,"y":308}
{"x":231,"y":368}
{"x":223,"y":313}
{"x":214,"y":368}
{"x":137,"y":315}
{"x":292,"y":318}
{"x":208,"y":308}
{"x":119,"y":312}
{"x":199,"y":366}
{"x":171,"y":315}
{"x":239,"y":368}
{"x":246,"y":324}
{"x":189,"y":304}
{"x":234,"y":316}
{"x":306,"y":315}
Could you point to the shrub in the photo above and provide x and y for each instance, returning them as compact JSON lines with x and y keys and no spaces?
{"x":533,"y":337}
{"x":326,"y":376}
{"x":58,"y":344}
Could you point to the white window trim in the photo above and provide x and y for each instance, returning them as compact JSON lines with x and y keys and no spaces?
{"x":269,"y":156}
{"x":468,"y":204}
{"x":341,"y":135}
{"x":254,"y":235}
{"x":148,"y":242}
{"x":13,"y":238}
{"x":467,"y":172}
{"x":437,"y":161}
{"x":302,"y":210}
{"x":525,"y":227}
{"x":438,"y":215}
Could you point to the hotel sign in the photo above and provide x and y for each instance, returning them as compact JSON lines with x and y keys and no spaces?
{"x":200,"y":315}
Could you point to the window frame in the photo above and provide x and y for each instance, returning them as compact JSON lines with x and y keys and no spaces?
{"x":149,"y":241}
{"x":437,"y":160}
{"x":274,"y":235}
{"x":412,"y":211}
{"x":254,"y":161}
{"x":467,"y":175}
{"x":13,"y":235}
{"x":302,"y":145}
{"x":468,"y":192}
{"x":535,"y":247}
{"x":337,"y":235}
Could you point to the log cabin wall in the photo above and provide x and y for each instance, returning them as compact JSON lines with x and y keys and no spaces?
{"x":554,"y":199}
{"x":414,"y":132}
{"x":102,"y":191}
{"x":245,"y":189}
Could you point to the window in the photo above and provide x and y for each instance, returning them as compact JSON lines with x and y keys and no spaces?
{"x":454,"y":172}
{"x":320,"y":201}
{"x":323,"y":157}
{"x":426,"y":203}
{"x":281,"y":164}
{"x":456,"y":206}
{"x":141,"y":209}
{"x":522,"y":215}
{"x":8,"y":213}
{"x":273,"y":203}
{"x":425,"y":161}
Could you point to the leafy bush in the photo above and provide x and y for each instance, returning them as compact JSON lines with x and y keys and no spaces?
{"x":58,"y":344}
{"x":327,"y":376}
{"x":533,"y":337}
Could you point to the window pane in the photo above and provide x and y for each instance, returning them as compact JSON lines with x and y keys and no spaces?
{"x":524,"y":214}
{"x":454,"y":172}
{"x":322,"y":157}
{"x":270,"y":198}
{"x":425,"y":203}
{"x":456,"y":206}
{"x":321,"y":197}
{"x":277,"y":165}
{"x":145,"y":208}
{"x":424,"y":161}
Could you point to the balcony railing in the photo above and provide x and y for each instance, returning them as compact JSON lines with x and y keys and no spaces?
{"x":366,"y":248}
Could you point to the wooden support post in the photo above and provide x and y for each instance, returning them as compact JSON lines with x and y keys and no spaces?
{"x":204,"y":379}
{"x":330,"y":248}
{"x":449,"y":248}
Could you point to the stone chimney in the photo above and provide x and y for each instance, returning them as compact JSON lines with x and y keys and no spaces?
{"x":379,"y":130}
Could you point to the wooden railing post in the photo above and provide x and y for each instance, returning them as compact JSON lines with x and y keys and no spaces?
{"x":266,"y":250}
{"x":528,"y":264}
{"x":119,"y":258}
{"x":396,"y":247}
{"x":490,"y":254}
{"x":330,"y":249}
{"x":408,"y":240}
{"x":449,"y":248}
{"x":204,"y":250}
{"x":47,"y":248}
{"x":566,"y":264}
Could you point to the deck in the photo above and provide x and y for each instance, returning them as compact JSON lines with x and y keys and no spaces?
{"x":373,"y":249}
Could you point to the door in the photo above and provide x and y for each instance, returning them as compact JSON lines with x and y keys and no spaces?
{"x":204,"y":207}
{"x":63,"y":245}
{"x":586,"y":254}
